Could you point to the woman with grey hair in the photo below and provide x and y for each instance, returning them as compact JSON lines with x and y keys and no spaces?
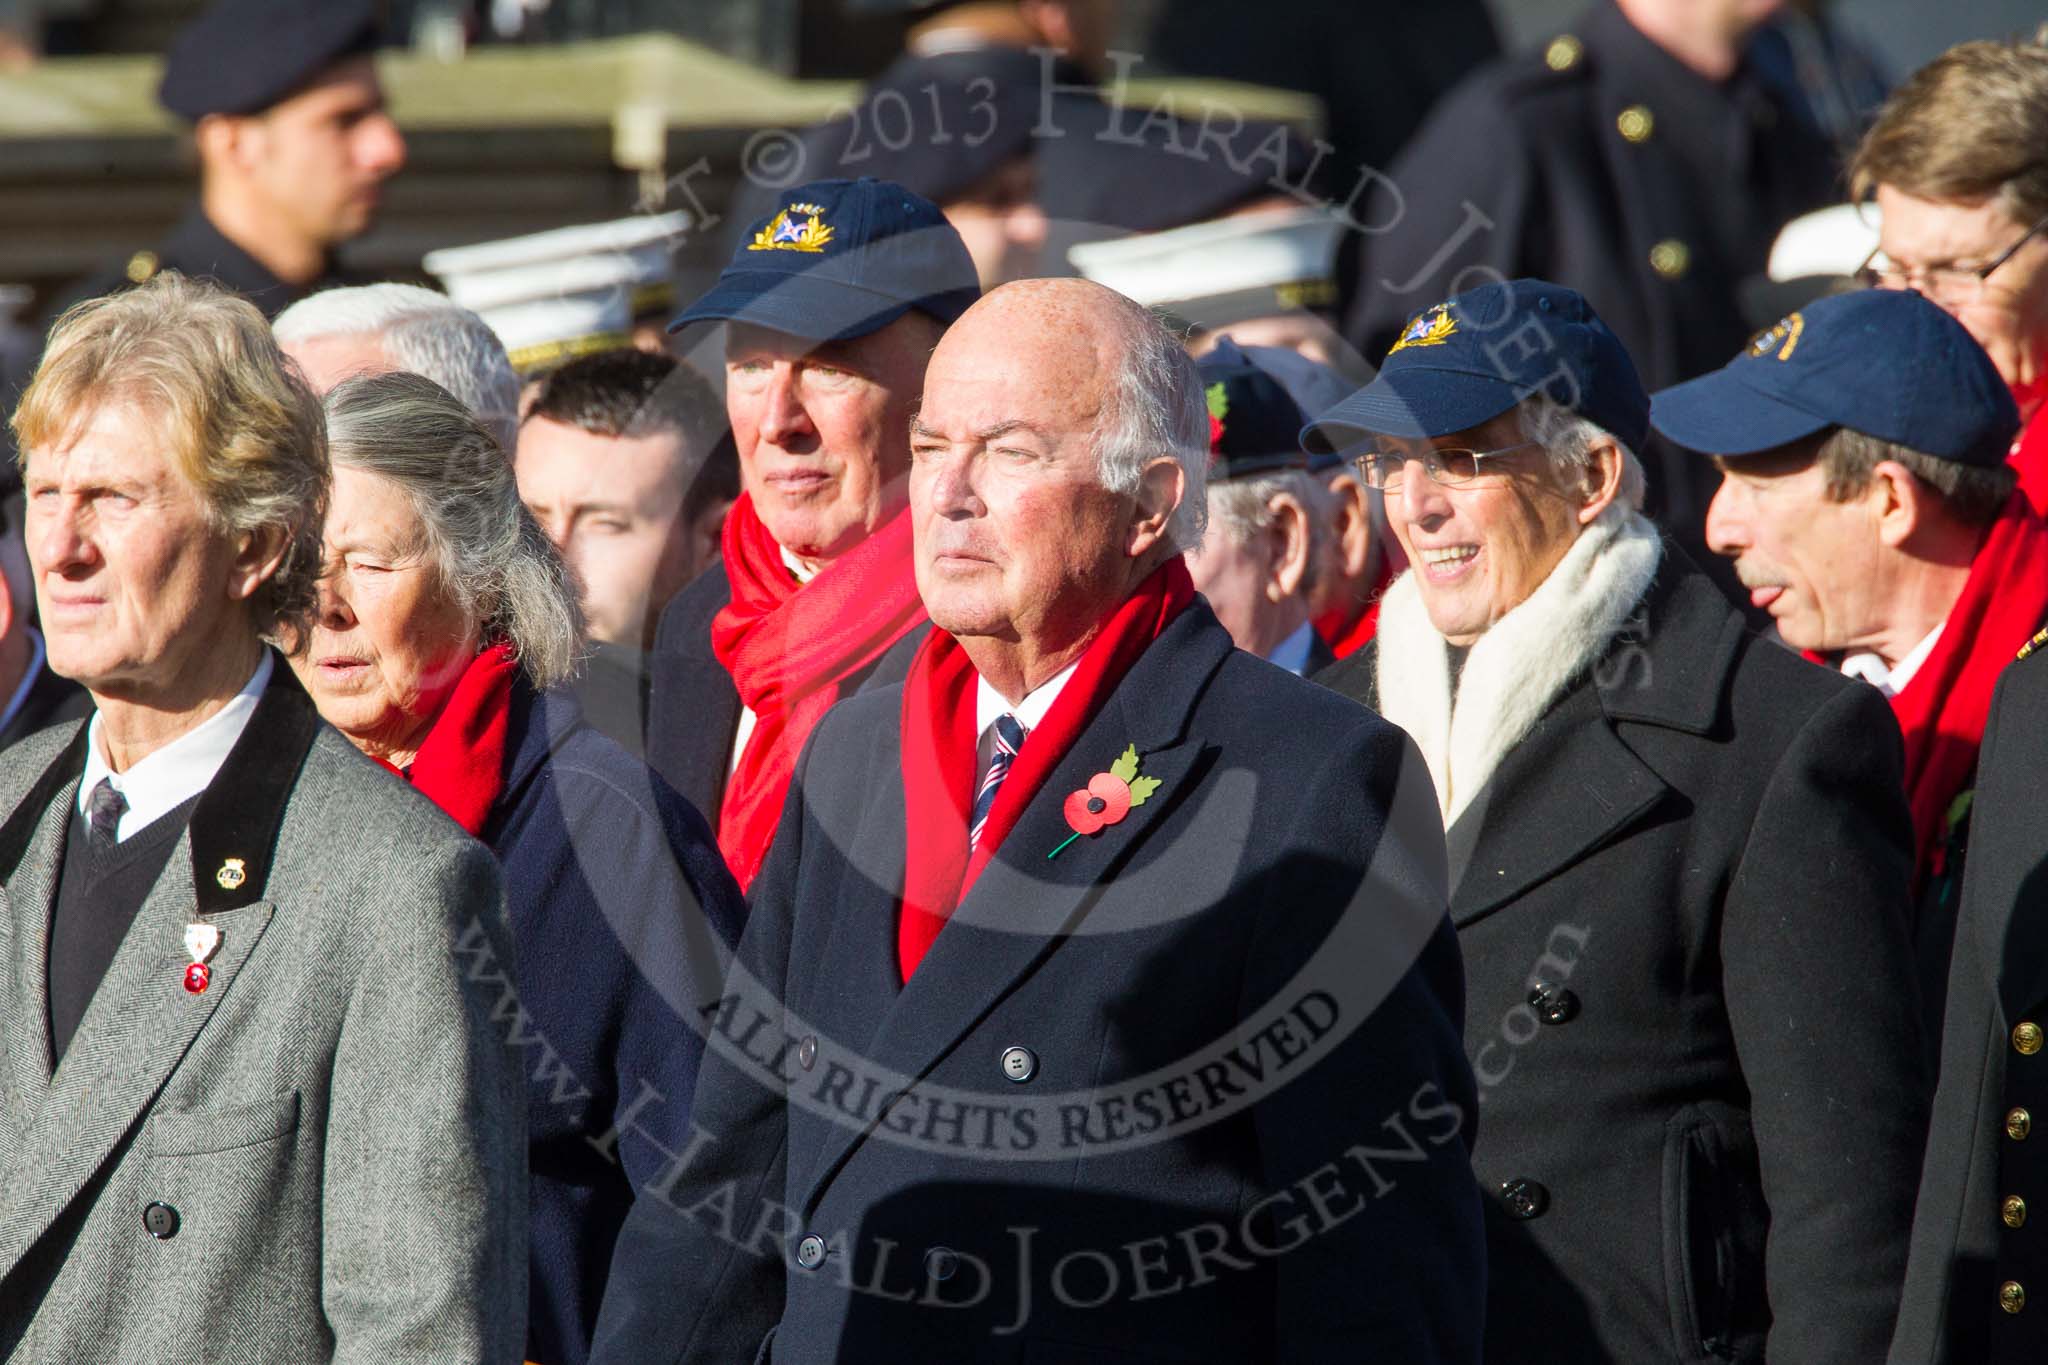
{"x":445,"y":623}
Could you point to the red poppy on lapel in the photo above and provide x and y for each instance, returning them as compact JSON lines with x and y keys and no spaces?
{"x":1108,"y":797}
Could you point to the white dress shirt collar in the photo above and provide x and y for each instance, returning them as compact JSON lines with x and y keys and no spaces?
{"x":179,"y":771}
{"x":1030,"y":712}
{"x":798,"y":570}
{"x":1867,"y":665}
{"x":37,"y":655}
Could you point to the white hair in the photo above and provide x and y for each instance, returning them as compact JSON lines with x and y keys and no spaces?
{"x":422,"y":333}
{"x":1569,"y":439}
{"x":1157,"y":408}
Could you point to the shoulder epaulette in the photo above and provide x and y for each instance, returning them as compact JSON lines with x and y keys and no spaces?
{"x":2040,"y":638}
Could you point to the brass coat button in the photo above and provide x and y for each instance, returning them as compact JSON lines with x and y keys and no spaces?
{"x":1671,"y":258}
{"x":2026,"y":1037}
{"x":2012,"y":1296}
{"x":2018,"y":1123}
{"x":1563,"y":53}
{"x":2013,"y":1211}
{"x":1636,"y":123}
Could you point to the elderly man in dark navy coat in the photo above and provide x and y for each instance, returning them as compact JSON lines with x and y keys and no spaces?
{"x":1098,"y":1000}
{"x":1680,"y":859}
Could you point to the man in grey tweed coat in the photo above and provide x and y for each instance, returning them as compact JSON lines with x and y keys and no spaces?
{"x":253,"y":1106}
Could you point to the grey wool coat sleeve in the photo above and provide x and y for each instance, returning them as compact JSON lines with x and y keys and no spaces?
{"x":335,"y":1125}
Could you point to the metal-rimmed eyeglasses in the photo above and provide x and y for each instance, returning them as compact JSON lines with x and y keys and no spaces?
{"x":1451,"y":466}
{"x":1953,"y":287}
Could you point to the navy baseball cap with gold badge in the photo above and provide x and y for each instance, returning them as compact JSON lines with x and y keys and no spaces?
{"x":243,"y":56}
{"x":1474,"y":356}
{"x":1886,"y":362}
{"x":839,"y":259}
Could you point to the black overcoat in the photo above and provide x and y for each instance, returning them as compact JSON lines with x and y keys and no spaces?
{"x":1072,"y":1135}
{"x":1691,"y":1004}
{"x":1988,"y":1143}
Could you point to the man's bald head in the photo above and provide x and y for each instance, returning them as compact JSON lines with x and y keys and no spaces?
{"x":1097,"y":361}
{"x":1057,"y":460}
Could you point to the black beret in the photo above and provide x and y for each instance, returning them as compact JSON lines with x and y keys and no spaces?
{"x":242,"y":56}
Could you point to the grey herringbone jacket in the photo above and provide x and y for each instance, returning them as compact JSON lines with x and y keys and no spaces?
{"x":333,"y":1123}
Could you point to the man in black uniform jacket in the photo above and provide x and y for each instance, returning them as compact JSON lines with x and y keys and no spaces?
{"x":1978,"y":1269}
{"x":293,"y":144}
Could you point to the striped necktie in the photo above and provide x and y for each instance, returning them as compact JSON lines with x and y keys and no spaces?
{"x":1009,"y":739}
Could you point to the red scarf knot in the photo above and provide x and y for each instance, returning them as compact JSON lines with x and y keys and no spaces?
{"x":939,"y":743}
{"x":790,"y":648}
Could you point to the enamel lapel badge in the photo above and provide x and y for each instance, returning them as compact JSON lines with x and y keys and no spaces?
{"x":201,"y":941}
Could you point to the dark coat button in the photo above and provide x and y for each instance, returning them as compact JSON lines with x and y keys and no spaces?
{"x":807,"y":1052}
{"x":941,"y":1263}
{"x":1019,"y":1064}
{"x":1524,"y":1199}
{"x":1553,"y":1004}
{"x":160,"y":1221}
{"x":810,"y":1252}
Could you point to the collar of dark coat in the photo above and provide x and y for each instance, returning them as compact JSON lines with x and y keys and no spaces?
{"x":234,"y":826}
{"x":686,"y":621}
{"x":199,"y":248}
{"x":538,"y":725}
{"x":1576,"y":782}
{"x":1667,"y":667}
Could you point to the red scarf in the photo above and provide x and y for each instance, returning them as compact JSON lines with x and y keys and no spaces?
{"x":1943,"y":709}
{"x":939,"y":743}
{"x":2030,"y":457}
{"x":789,"y":651}
{"x":461,"y":765}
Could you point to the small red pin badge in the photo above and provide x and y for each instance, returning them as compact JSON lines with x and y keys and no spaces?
{"x":201,"y":939}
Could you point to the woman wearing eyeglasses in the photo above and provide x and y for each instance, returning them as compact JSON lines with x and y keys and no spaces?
{"x":1679,"y":864}
{"x":1958,"y":163}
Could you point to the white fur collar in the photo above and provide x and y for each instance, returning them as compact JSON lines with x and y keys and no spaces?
{"x":1519,"y":666}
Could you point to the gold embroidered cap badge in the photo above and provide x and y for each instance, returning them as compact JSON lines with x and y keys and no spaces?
{"x":1432,"y":328}
{"x":800,"y":227}
{"x":1782,"y":338}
